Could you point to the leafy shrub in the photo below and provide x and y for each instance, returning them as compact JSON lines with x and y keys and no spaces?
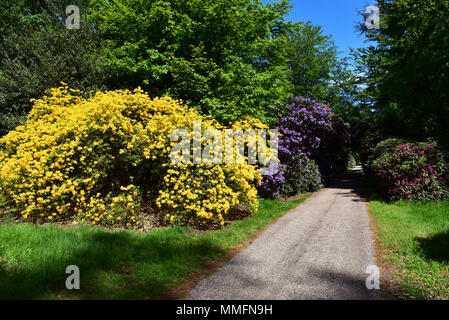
{"x":302,"y":176}
{"x":273,"y":182}
{"x":208,"y":191}
{"x":377,"y":151}
{"x":301,"y":124}
{"x":413,"y":171}
{"x":100,"y":158}
{"x":34,"y":55}
{"x":367,"y":144}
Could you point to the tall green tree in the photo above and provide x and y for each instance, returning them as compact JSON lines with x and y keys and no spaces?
{"x":228,"y":58}
{"x":316,"y":70}
{"x":407,"y":71}
{"x":38,"y":52}
{"x":224,"y":57}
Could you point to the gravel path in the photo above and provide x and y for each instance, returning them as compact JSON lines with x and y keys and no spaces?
{"x":320,"y":250}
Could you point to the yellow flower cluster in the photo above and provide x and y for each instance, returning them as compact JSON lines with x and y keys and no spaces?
{"x":94,"y":157}
{"x":208,"y":191}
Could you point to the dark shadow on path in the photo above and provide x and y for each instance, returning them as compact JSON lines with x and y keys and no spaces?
{"x":352,"y":183}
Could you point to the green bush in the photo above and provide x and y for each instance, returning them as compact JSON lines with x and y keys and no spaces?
{"x":37,"y":52}
{"x":408,"y":170}
{"x":378,"y":151}
{"x":367,"y":144}
{"x":302,"y":176}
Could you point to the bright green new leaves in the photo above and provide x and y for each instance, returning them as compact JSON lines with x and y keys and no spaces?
{"x":223,"y":57}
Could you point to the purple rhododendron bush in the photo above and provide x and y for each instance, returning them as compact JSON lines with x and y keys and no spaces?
{"x":416,"y":171}
{"x":303,"y":125}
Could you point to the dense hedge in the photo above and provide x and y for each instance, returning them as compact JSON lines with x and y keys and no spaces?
{"x":299,"y":176}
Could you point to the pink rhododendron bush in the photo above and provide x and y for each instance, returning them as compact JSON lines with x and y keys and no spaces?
{"x":416,"y":172}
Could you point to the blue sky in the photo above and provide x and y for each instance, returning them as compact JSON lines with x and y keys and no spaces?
{"x":337,"y":17}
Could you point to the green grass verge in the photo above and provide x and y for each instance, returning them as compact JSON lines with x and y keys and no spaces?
{"x":116,"y":264}
{"x":416,"y":237}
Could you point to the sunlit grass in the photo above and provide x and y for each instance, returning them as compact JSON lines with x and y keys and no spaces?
{"x":418,"y":238}
{"x":116,"y":264}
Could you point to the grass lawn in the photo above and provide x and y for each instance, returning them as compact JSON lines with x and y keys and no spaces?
{"x":117,"y":264}
{"x":416,"y":239}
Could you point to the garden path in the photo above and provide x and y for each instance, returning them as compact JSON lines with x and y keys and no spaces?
{"x":319,"y":250}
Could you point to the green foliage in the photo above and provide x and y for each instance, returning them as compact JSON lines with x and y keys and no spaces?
{"x":316,"y":70}
{"x":406,"y":72}
{"x":222,"y":57}
{"x":302,"y":176}
{"x":408,"y":170}
{"x":37,"y":52}
{"x":413,"y":172}
{"x":227,"y":59}
{"x":380,"y":150}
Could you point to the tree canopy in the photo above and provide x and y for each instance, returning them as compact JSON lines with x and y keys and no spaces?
{"x":228,"y":59}
{"x":37,"y":53}
{"x":407,"y":70}
{"x":224,"y":57}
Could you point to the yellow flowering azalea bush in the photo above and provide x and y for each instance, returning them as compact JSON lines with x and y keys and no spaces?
{"x":207,"y":191}
{"x":97,"y":158}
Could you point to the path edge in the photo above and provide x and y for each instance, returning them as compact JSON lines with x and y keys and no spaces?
{"x":181,"y":291}
{"x":389,"y":289}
